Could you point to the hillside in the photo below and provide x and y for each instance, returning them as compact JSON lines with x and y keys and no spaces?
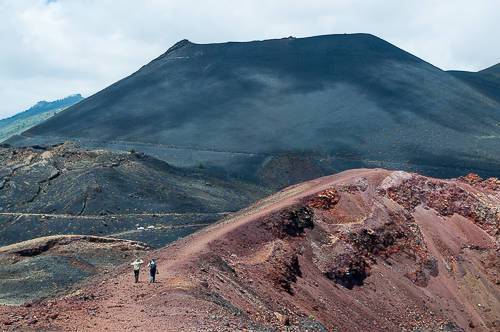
{"x":269,"y":109}
{"x":493,"y":70}
{"x":68,"y":190}
{"x":362,"y":250}
{"x":486,"y":81}
{"x":42,"y":111}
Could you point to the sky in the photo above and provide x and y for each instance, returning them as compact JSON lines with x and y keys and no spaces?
{"x":53,"y":48}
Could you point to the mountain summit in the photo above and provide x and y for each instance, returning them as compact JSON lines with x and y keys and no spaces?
{"x":318,"y":104}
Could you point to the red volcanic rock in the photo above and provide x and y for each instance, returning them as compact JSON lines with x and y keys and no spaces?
{"x":492,"y":184}
{"x":471,"y":178}
{"x":363,"y":250}
{"x":325,"y":200}
{"x":448,"y":198}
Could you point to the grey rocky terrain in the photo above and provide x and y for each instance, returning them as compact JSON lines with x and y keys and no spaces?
{"x":67,"y":190}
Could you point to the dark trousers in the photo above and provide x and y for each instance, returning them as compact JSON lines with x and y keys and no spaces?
{"x":152,"y":275}
{"x":136,"y":275}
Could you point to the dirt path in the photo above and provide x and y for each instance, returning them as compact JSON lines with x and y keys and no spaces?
{"x":199,"y":241}
{"x":131,"y":215}
{"x":158,"y":228}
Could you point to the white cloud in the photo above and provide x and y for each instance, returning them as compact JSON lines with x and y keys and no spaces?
{"x":51,"y":49}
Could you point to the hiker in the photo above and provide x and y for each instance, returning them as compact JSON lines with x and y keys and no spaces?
{"x":152,"y":270}
{"x":137,"y":268}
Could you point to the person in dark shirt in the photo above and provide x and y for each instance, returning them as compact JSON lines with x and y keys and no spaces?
{"x":152,"y":270}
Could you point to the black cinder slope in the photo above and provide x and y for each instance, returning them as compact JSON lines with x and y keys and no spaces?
{"x":493,"y":70}
{"x":486,"y":81}
{"x":331,"y":102}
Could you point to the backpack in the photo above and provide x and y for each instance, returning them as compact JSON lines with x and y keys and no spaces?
{"x":152,"y":265}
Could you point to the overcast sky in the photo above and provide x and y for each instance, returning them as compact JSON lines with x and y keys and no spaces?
{"x":51,"y":49}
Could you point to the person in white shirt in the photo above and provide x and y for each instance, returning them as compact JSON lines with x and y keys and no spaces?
{"x":137,"y":268}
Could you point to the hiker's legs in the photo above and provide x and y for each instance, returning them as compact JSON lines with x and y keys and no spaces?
{"x":152,"y":275}
{"x":136,"y":275}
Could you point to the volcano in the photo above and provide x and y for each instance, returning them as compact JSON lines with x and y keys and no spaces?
{"x":294,"y":109}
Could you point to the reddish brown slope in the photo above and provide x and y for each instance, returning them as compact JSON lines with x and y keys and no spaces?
{"x":361,"y":250}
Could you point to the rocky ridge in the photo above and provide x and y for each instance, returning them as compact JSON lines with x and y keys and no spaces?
{"x":363,"y":249}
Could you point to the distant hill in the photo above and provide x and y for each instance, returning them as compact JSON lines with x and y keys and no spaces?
{"x":31,"y":117}
{"x":493,"y":70}
{"x":291,"y":109}
{"x":486,"y":81}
